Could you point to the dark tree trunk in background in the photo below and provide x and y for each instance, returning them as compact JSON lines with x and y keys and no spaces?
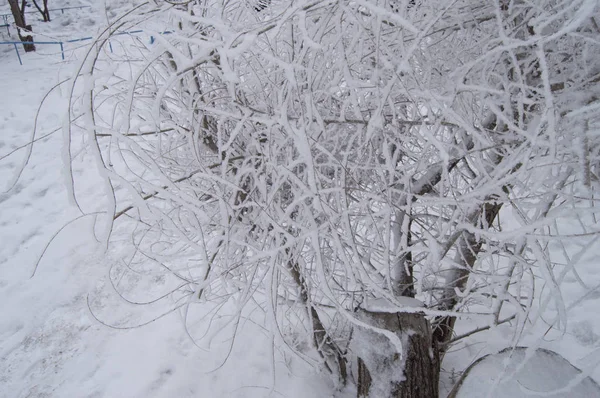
{"x":419,"y":359}
{"x":19,"y":16}
{"x":44,"y":11}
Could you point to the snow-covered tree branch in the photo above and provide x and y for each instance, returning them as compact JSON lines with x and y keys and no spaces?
{"x":355,"y":169}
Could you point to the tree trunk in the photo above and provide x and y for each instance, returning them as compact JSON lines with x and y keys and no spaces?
{"x":44,"y":11}
{"x":19,"y":17}
{"x":383,"y":372}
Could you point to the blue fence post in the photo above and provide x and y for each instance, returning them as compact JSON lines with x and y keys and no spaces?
{"x":18,"y":55}
{"x":62,"y":51}
{"x":110,"y":46}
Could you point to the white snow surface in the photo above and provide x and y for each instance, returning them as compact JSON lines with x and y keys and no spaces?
{"x":52,"y":345}
{"x":524,"y":373}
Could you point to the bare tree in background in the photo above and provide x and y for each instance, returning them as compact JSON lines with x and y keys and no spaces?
{"x":363,"y":174}
{"x":44,"y":11}
{"x":19,"y":16}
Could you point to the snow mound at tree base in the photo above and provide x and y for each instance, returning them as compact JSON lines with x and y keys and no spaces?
{"x":522,"y":372}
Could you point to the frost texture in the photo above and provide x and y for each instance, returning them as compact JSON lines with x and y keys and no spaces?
{"x":310,"y":157}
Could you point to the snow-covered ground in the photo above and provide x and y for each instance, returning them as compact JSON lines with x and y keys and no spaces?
{"x":51,"y":344}
{"x":511,"y":374}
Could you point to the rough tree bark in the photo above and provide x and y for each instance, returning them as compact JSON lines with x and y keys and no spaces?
{"x":19,"y":16}
{"x":418,"y":360}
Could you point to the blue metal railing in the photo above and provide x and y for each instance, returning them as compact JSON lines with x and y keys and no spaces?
{"x":62,"y":10}
{"x":61,"y":43}
{"x":16,"y":43}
